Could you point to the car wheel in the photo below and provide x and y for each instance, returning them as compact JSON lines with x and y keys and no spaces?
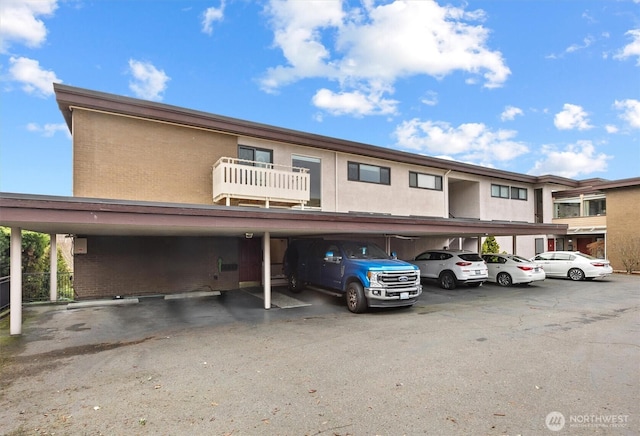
{"x":576,"y":274}
{"x":356,"y":301}
{"x":295,"y":285}
{"x":504,"y":279}
{"x":447,"y":280}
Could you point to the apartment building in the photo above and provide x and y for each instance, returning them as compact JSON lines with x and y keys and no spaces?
{"x":602,"y":218}
{"x":167,"y":199}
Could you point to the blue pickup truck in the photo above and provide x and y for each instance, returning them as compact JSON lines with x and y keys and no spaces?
{"x":360,"y":271}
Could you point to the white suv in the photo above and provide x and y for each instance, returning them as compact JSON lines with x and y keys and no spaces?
{"x":452,"y":267}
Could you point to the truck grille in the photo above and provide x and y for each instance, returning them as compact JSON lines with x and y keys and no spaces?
{"x":399,"y":279}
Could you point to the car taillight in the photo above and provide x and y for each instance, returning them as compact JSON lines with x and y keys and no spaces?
{"x":463,"y":263}
{"x":598,"y":264}
{"x":525,"y":268}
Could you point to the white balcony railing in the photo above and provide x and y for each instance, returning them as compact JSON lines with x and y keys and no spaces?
{"x":238,"y":180}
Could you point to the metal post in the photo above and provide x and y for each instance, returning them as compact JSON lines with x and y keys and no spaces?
{"x":15,"y":292}
{"x":53,"y":268}
{"x":266,"y":256}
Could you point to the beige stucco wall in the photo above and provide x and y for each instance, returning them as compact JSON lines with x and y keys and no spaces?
{"x":398,"y":198}
{"x":126,"y":158}
{"x":506,"y":209}
{"x":342,"y":195}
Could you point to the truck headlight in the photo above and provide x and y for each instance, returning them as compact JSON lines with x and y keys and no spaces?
{"x":373,"y":278}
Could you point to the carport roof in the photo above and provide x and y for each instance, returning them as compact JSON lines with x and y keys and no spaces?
{"x":90,"y":216}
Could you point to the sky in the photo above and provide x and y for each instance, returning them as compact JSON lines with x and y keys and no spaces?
{"x":531,"y":86}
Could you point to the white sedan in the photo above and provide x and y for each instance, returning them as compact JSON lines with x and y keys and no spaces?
{"x":509,"y":269}
{"x":573,"y":264}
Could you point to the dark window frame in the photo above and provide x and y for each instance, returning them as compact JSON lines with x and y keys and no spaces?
{"x":354,"y":173}
{"x":516,"y":193}
{"x":253,"y":151}
{"x":501,"y":189}
{"x":414,"y":181}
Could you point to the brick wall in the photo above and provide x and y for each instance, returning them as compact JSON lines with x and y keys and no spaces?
{"x":126,"y":158}
{"x":623,"y":222}
{"x":120,"y":265}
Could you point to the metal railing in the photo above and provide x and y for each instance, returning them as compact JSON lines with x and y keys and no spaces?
{"x":35,"y":288}
{"x":239,"y":179}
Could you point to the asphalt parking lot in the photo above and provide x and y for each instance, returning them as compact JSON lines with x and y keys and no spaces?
{"x":556,"y":357}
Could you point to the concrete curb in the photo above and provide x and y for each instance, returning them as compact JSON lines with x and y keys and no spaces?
{"x":97,"y":303}
{"x":196,"y":294}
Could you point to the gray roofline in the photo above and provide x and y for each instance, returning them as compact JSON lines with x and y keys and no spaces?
{"x":69,"y":96}
{"x":594,"y":186}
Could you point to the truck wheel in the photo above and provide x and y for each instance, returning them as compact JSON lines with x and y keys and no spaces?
{"x":447,"y":280}
{"x":356,"y":301}
{"x":295,"y":285}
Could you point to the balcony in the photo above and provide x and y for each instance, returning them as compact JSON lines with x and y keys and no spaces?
{"x":238,"y":182}
{"x":584,"y":224}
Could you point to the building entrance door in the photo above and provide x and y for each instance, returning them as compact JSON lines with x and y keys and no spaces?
{"x":250,"y":262}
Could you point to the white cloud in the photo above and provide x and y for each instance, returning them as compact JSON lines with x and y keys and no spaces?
{"x":610,"y":128}
{"x":575,"y":160}
{"x":148,"y":82}
{"x":378,"y":44}
{"x":510,"y":113}
{"x":49,"y":129}
{"x":354,"y":103}
{"x":19,"y":22}
{"x":631,"y":49}
{"x":586,"y":42}
{"x":631,"y":112}
{"x":430,"y":98}
{"x":34,"y":79}
{"x":473,"y":142}
{"x":572,"y":117}
{"x":210,"y":16}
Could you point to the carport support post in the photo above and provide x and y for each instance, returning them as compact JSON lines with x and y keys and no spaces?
{"x":266,"y":259}
{"x":53,"y":268}
{"x":15,"y":291}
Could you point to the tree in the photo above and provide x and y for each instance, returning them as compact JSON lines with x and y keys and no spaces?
{"x":628,"y":251}
{"x":35,"y":253}
{"x":490,"y":245}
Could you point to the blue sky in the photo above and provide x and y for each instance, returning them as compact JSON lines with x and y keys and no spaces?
{"x":534,"y":87}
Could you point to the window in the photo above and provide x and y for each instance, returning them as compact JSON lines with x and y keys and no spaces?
{"x":425,"y":181}
{"x":566,"y":208}
{"x":369,"y":173}
{"x":595,"y":207}
{"x":314,"y":167}
{"x":562,"y":256}
{"x":518,"y":193}
{"x":513,"y":192}
{"x":260,"y":155}
{"x":500,"y":191}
